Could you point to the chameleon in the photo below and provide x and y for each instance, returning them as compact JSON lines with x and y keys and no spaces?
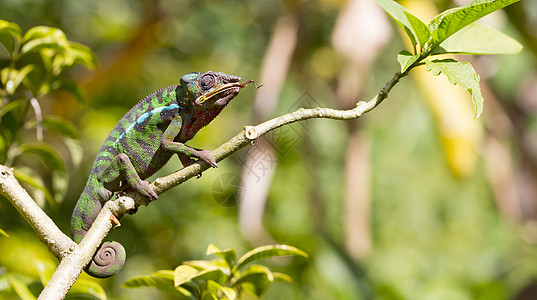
{"x":141,"y":143}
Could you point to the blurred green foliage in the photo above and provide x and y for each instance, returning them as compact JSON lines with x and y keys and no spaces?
{"x":434,"y":236}
{"x":224,"y":278}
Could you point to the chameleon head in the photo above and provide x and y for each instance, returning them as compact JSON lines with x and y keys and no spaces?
{"x":211,"y":88}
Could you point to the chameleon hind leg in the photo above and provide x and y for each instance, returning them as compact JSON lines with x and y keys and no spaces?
{"x":121,"y":170}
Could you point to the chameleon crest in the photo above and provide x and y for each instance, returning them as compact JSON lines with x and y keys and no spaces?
{"x":141,"y":143}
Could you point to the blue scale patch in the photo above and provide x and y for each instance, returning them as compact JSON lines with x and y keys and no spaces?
{"x":143,"y":118}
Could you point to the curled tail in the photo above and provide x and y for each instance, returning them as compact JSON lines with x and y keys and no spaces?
{"x":110,"y":256}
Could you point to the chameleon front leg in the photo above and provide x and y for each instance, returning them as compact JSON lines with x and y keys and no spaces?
{"x":121,"y":169}
{"x":185,"y":152}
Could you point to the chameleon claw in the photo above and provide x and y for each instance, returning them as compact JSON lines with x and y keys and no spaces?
{"x":115,"y":221}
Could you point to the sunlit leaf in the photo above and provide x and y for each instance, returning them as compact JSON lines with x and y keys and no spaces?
{"x":39,"y":32}
{"x":255,"y":279}
{"x":228,"y":255}
{"x":10,"y":35}
{"x":20,"y":288}
{"x":210,"y":296}
{"x":219,"y":275}
{"x":281,"y":277}
{"x":269,"y":251}
{"x":10,"y":28}
{"x":453,"y":20}
{"x":162,"y":284}
{"x":40,"y":44}
{"x":406,"y":59}
{"x":2,"y":232}
{"x":87,"y":289}
{"x":11,"y":105}
{"x":82,"y":54}
{"x":477,"y":38}
{"x":166,"y":274}
{"x":201,"y":264}
{"x":399,"y":14}
{"x":228,"y":292}
{"x":461,"y":73}
{"x":183,"y":273}
{"x":12,"y":78}
{"x":420,"y":29}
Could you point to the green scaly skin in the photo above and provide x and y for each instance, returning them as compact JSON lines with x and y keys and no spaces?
{"x":141,"y":143}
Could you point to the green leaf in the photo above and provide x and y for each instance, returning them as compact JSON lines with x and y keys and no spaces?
{"x":202,"y":264}
{"x":82,"y":54}
{"x":461,"y":73}
{"x":12,"y":78}
{"x":39,"y":32}
{"x":406,"y":59}
{"x":11,"y":105}
{"x":269,"y":251}
{"x":86,"y":288}
{"x":21,"y":289}
{"x":40,"y":191}
{"x":2,"y":232}
{"x":397,"y":12}
{"x":453,"y":20}
{"x":228,"y":255}
{"x":281,"y":277}
{"x":48,"y":154}
{"x":162,"y":284}
{"x":416,"y":29}
{"x":477,"y":38}
{"x":255,"y":279}
{"x":165,"y":274}
{"x":219,"y":275}
{"x":10,"y":35}
{"x":420,"y":29}
{"x":210,"y":296}
{"x":61,"y":126}
{"x":10,"y":28}
{"x":228,"y":292}
{"x":183,"y":273}
{"x":40,"y":44}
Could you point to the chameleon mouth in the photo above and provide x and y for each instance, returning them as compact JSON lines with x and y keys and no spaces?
{"x":232,"y":87}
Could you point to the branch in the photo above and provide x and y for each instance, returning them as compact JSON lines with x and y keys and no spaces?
{"x":57,"y":242}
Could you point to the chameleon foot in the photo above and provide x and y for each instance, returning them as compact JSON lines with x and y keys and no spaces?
{"x":115,"y":221}
{"x":207,"y":157}
{"x":145,"y":190}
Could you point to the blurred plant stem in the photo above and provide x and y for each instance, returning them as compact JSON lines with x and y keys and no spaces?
{"x":273,"y":74}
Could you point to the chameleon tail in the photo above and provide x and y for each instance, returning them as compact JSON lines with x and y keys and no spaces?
{"x":110,"y":256}
{"x":107,"y":261}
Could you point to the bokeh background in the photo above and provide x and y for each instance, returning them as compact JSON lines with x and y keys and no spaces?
{"x":416,"y":200}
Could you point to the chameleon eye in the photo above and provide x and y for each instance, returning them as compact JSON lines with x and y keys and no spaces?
{"x":208,"y":81}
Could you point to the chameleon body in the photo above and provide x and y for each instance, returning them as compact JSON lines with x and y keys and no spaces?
{"x":141,"y":143}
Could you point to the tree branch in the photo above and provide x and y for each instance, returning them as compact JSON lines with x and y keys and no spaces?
{"x":57,"y":242}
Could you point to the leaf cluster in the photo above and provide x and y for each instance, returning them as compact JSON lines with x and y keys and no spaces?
{"x":222,"y":278}
{"x":32,"y":66}
{"x":452,"y":31}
